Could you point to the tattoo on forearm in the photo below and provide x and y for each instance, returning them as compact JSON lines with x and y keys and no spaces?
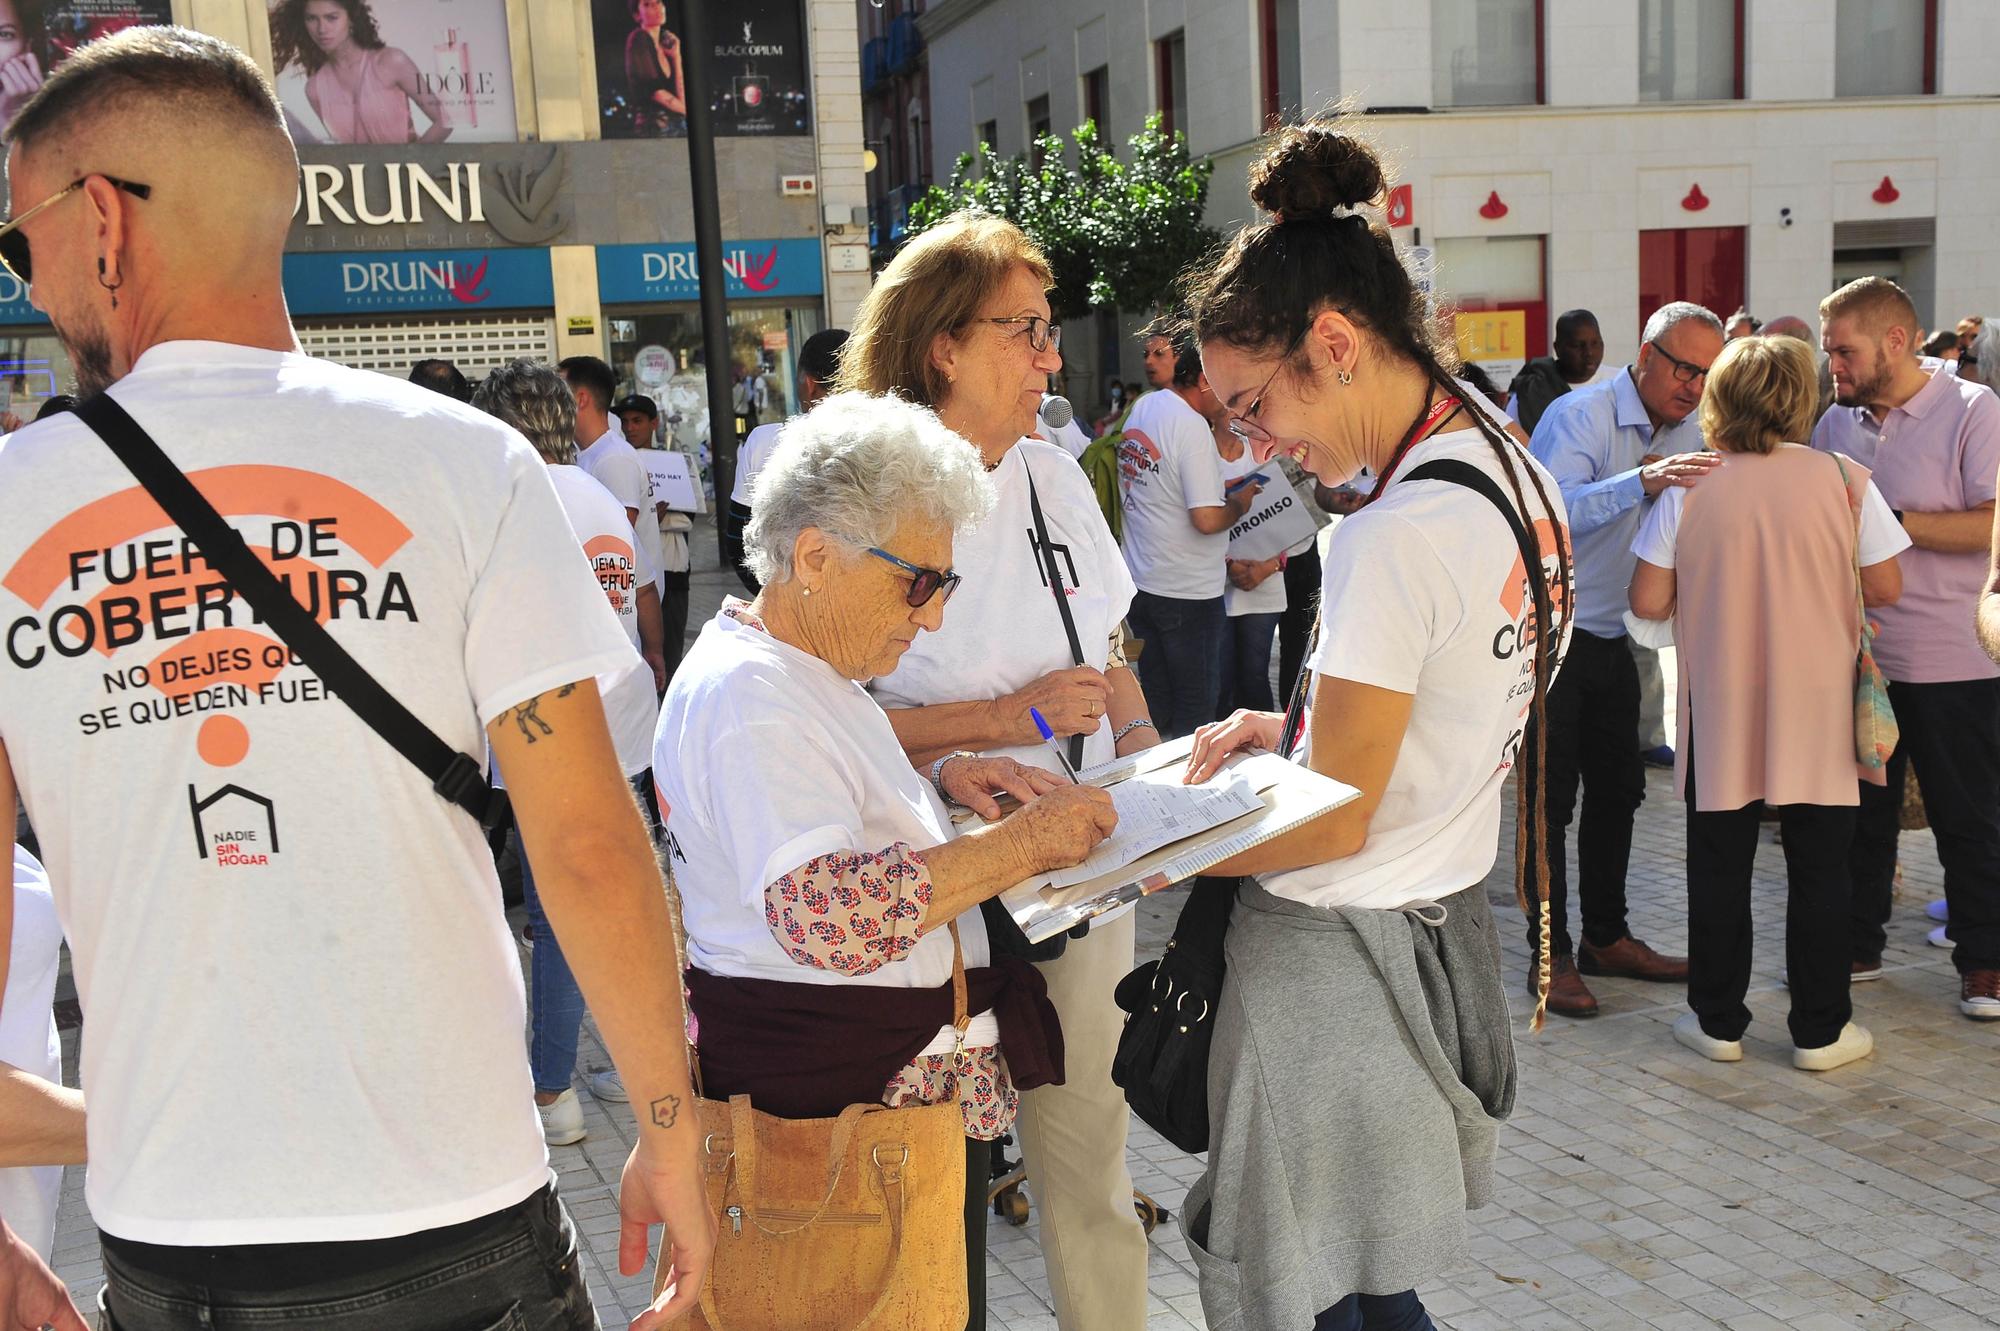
{"x":565,"y":690}
{"x":527,"y":714}
{"x":666,"y":1110}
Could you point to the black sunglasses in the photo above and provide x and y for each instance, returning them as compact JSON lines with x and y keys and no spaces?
{"x":924,"y":582}
{"x":14,"y":241}
{"x":1685,"y":371}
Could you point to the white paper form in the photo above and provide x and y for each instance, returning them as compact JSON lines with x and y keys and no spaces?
{"x":1155,"y":810}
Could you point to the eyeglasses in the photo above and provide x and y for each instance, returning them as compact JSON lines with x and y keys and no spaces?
{"x":14,"y":241}
{"x":924,"y":582}
{"x":1245,"y":427}
{"x":1042,"y":335}
{"x":1685,"y":371}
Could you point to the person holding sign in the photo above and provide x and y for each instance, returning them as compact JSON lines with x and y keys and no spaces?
{"x":1361,"y":1060}
{"x":1254,"y":600}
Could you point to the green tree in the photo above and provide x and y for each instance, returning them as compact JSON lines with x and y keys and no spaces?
{"x":1117,"y":233}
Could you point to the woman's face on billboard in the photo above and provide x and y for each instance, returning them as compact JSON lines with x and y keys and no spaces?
{"x":13,"y":38}
{"x":326,"y":23}
{"x":652,"y":13}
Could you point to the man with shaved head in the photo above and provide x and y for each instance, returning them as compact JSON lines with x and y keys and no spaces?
{"x":308,"y":1097}
{"x":1932,"y":443}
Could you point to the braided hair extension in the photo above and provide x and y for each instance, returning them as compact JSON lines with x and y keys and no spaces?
{"x":1264,"y":290}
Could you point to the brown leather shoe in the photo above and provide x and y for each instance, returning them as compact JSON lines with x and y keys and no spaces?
{"x":1633,"y":960}
{"x":1568,"y":995}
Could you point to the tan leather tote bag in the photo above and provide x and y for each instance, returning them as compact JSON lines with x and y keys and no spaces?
{"x":854,"y":1223}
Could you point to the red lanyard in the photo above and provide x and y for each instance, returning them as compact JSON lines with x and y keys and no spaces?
{"x":1441,"y":409}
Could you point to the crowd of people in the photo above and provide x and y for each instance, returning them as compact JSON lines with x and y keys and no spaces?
{"x":853,"y":761}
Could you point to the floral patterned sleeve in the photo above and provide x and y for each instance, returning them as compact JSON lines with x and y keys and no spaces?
{"x":853,"y":913}
{"x":850,"y":912}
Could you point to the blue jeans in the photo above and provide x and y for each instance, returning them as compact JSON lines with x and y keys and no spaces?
{"x":1246,"y":663}
{"x":1376,"y":1312}
{"x":516,"y":1270}
{"x":1180,"y":668}
{"x":555,"y":1003}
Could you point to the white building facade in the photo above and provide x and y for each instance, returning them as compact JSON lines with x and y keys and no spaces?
{"x":1558,"y":153}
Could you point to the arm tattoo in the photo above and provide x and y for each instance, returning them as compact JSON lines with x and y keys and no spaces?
{"x":528,"y":713}
{"x":666,"y":1110}
{"x":565,"y":690}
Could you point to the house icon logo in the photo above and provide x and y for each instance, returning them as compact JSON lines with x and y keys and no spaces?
{"x":234,"y":826}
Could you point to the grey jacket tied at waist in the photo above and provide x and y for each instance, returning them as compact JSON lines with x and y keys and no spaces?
{"x":1362,"y":1064}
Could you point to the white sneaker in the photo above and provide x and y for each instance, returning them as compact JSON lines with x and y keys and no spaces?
{"x":608,"y":1086}
{"x":1854,"y":1043}
{"x":1688,"y":1031}
{"x":1937,"y":938}
{"x":1937,"y":911}
{"x":562,"y":1122}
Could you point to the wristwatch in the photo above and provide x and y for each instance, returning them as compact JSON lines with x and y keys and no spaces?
{"x":937,"y":773}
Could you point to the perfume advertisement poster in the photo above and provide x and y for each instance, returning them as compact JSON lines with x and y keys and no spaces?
{"x":394,"y":71}
{"x":35,"y":38}
{"x":756,"y":65}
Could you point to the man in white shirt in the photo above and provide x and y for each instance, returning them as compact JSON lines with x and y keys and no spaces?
{"x":639,"y":418}
{"x":612,"y":462}
{"x":819,"y":361}
{"x":1177,"y":543}
{"x":307,"y":1090}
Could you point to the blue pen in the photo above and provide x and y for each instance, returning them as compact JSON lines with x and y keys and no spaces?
{"x":1049,"y":736}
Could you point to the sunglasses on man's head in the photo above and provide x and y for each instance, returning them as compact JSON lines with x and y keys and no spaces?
{"x":924,"y":582}
{"x":14,"y":241}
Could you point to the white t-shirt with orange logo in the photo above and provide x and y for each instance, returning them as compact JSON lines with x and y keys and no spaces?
{"x":619,"y":560}
{"x":1167,"y":464}
{"x":1424,"y":593}
{"x":304,"y":1008}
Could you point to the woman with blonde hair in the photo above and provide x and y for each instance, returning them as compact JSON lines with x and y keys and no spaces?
{"x":960,"y":322}
{"x":1763,"y":568}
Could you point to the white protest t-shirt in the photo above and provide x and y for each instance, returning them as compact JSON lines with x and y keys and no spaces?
{"x":1882,"y":537}
{"x":598,"y":519}
{"x":30,"y":1195}
{"x":1268,"y":598}
{"x":614,"y":464}
{"x":1424,"y":593}
{"x":766,"y":757}
{"x":751,"y":457}
{"x":1167,"y":464}
{"x":305,"y":1008}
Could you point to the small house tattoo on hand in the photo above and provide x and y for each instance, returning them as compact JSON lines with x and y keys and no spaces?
{"x":666,"y":1110}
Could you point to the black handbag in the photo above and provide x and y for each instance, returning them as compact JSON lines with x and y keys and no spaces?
{"x":1162,"y":1059}
{"x":458,"y":778}
{"x":1003,"y":935}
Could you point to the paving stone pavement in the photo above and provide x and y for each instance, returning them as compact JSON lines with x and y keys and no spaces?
{"x":1641,"y":1187}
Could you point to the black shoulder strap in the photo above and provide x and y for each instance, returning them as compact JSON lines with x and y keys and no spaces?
{"x":459,"y":779}
{"x":1455,"y":472}
{"x":1054,"y":579}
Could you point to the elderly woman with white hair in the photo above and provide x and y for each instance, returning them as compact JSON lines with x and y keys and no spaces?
{"x":816,"y":865}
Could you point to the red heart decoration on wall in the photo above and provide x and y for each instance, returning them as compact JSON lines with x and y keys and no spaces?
{"x":1493,"y":210}
{"x":1886,"y":192}
{"x":1695,"y":200}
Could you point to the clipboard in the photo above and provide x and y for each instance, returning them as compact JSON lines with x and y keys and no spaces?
{"x":1292,"y":795}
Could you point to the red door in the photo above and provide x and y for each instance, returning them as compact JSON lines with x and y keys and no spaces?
{"x":1703,"y":264}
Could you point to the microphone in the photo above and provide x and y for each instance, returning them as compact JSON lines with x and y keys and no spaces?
{"x":1056,"y":411}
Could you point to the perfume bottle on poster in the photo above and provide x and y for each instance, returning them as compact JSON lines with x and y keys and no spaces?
{"x":454,"y":76}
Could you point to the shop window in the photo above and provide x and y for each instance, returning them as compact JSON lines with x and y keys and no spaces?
{"x":33,"y":368}
{"x":1170,"y":54}
{"x":1884,"y":48}
{"x":1493,"y":289}
{"x":1703,"y":264}
{"x":1486,"y":52}
{"x":1278,"y":39}
{"x":1690,"y":50}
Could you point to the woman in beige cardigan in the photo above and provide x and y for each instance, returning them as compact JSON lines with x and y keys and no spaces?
{"x":1758,"y":568}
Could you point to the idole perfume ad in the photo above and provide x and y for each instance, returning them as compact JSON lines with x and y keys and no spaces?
{"x":394,"y":71}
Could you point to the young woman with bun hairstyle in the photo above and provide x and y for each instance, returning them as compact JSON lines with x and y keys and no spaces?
{"x":1362,"y":1059}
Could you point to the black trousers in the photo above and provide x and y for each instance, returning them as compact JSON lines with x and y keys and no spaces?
{"x":1593,"y":712}
{"x":978,"y":1175}
{"x":1721,"y":851}
{"x":674,"y":618}
{"x":1951,"y":733}
{"x":1302,"y":574}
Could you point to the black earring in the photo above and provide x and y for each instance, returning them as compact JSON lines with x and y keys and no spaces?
{"x":112,"y":287}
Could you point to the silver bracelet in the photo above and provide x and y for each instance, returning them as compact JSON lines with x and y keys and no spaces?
{"x":1136,"y":723}
{"x":937,"y":772}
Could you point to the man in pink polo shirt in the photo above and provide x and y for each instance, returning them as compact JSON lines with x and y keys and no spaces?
{"x":1932,"y":441}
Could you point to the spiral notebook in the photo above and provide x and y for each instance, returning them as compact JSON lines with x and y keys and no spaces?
{"x":1179,"y":833}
